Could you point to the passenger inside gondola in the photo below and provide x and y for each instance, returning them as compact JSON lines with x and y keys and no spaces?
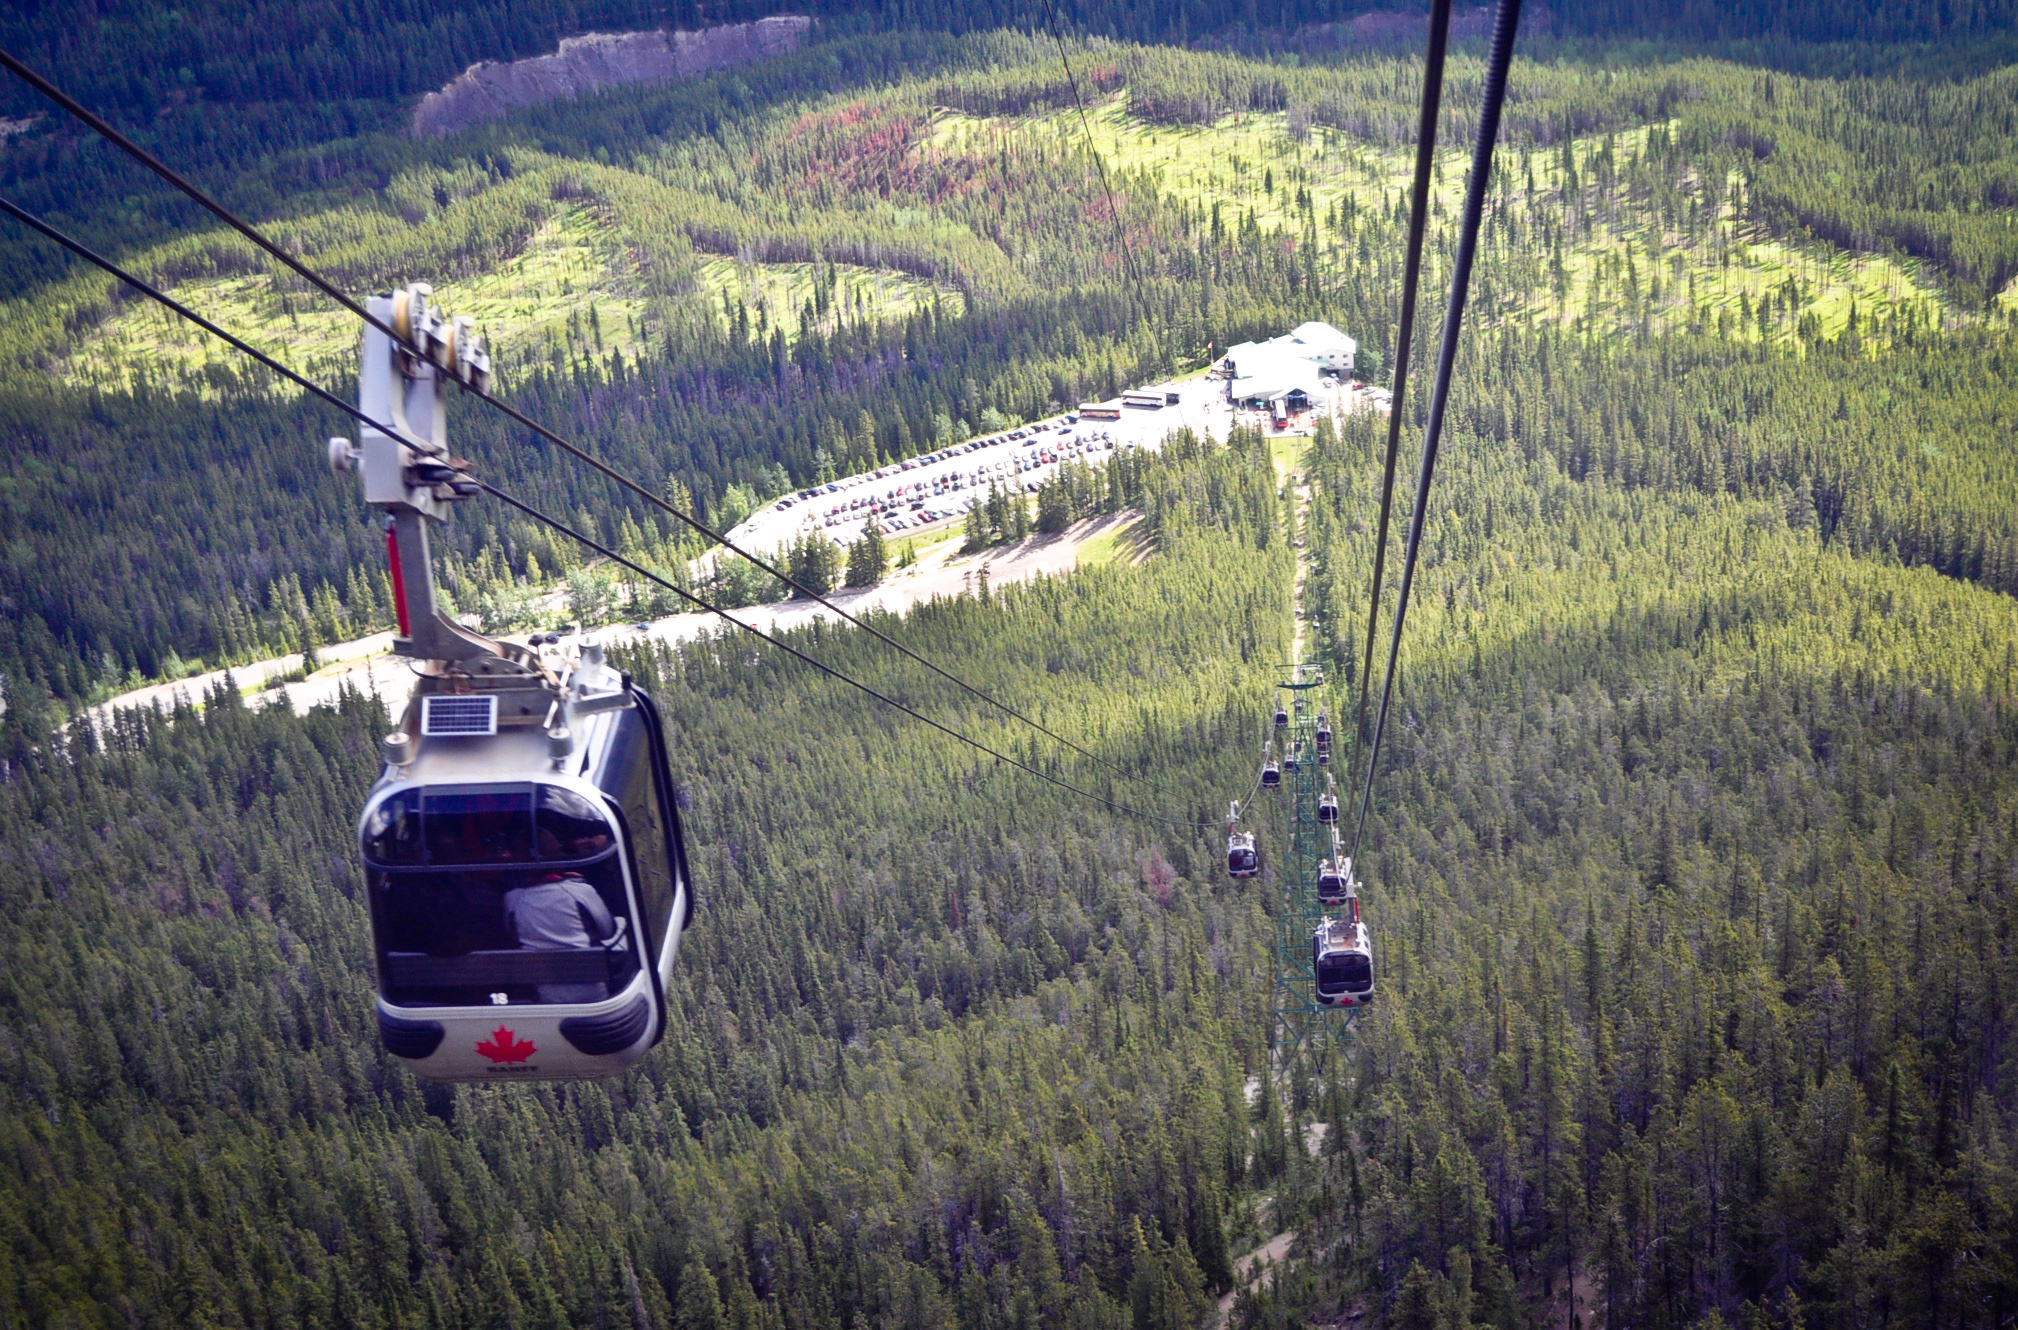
{"x":561,"y":912}
{"x":567,"y":826}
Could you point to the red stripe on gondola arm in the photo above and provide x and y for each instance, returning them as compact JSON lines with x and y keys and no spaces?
{"x":398,"y":581}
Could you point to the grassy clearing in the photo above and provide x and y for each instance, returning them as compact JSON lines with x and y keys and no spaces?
{"x":572,"y":286}
{"x":1124,"y":542}
{"x":573,"y":289}
{"x":782,"y":292}
{"x":925,"y":549}
{"x":1614,"y":275}
{"x":1618,"y":273}
{"x":1287,"y":453}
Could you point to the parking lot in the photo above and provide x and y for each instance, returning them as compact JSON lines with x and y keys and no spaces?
{"x":933,"y":493}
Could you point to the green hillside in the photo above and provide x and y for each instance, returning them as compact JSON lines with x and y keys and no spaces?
{"x":756,"y":280}
{"x":1693,"y":858}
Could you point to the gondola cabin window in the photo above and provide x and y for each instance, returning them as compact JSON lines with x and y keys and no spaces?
{"x":1348,"y":972}
{"x":631,"y":762}
{"x":442,"y":865}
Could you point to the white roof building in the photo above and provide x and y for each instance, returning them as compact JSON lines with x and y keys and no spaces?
{"x":1325,"y":345}
{"x":1264,"y":373}
{"x":1263,"y":376}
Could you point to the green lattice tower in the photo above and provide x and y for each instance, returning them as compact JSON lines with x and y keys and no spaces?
{"x":1300,"y":1024}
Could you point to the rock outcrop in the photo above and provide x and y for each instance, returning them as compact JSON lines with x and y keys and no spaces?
{"x":598,"y":60}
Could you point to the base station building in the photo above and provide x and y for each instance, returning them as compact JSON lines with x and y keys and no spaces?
{"x":1285,"y":375}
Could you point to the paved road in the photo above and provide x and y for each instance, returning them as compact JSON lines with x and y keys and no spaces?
{"x":367,"y":667}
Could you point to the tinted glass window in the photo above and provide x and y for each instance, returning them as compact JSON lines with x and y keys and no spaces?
{"x":566,"y":826}
{"x":392,"y":834}
{"x":1350,"y":971}
{"x":629,"y":779}
{"x":478,"y":824}
{"x":460,"y":913}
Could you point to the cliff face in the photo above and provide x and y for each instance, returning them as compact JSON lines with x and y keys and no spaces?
{"x":601,"y":60}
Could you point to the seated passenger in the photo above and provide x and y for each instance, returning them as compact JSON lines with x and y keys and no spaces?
{"x":560,"y":912}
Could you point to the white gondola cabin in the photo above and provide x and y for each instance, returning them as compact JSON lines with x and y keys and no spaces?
{"x":1341,"y":960}
{"x":527,"y":896}
{"x":1334,"y":880}
{"x":1242,"y":858}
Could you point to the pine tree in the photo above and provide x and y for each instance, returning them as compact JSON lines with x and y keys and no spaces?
{"x":698,"y":1303}
{"x":868,"y":559}
{"x":814,"y":563}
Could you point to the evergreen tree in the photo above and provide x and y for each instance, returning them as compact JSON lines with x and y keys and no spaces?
{"x":867,"y":557}
{"x":814,"y":563}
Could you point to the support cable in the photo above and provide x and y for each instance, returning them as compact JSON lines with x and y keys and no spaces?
{"x":14,"y":65}
{"x":1418,"y":215}
{"x":1086,"y":128}
{"x":1505,"y":25}
{"x":35,"y":223}
{"x":167,"y":173}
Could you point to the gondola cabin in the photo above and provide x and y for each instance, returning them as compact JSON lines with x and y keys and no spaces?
{"x":1341,"y":961}
{"x":1323,"y":742}
{"x":1292,"y":760}
{"x":1327,"y":809}
{"x":1281,"y":715}
{"x":1242,"y":858}
{"x":528,"y":885}
{"x":1271,"y":775}
{"x":1334,"y":877}
{"x":523,"y":859}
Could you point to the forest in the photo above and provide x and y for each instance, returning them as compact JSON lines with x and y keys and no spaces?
{"x":1692,"y":860}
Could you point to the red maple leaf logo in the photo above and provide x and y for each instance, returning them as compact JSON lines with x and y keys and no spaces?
{"x":505,"y":1046}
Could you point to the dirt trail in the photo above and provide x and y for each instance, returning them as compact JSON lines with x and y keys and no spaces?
{"x":1256,"y":1269}
{"x":1286,"y":474}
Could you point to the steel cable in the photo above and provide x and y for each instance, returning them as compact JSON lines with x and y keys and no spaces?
{"x":1505,"y":24}
{"x":1425,"y":158}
